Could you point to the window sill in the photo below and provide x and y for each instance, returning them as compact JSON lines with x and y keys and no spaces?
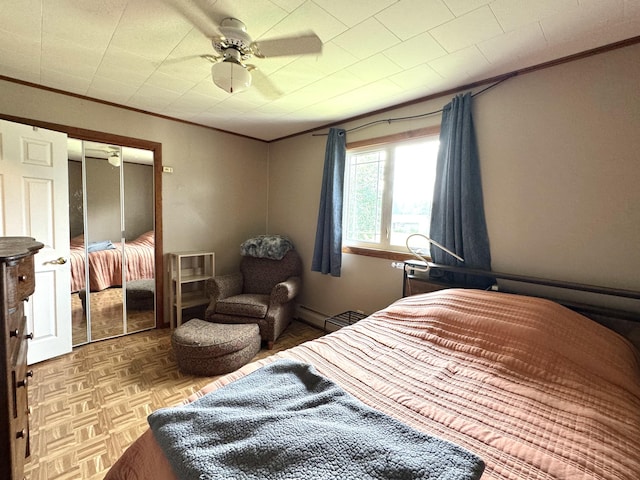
{"x":385,"y":254}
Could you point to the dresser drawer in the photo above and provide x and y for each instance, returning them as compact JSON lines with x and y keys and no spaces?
{"x":11,"y":287}
{"x":26,"y":278}
{"x":20,"y":376}
{"x":20,"y":434}
{"x":19,"y":419}
{"x":20,"y":282}
{"x":17,"y":324}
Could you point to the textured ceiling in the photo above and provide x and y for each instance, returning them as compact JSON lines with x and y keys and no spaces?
{"x":145,"y":54}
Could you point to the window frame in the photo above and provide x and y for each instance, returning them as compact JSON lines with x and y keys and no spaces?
{"x":378,"y":141}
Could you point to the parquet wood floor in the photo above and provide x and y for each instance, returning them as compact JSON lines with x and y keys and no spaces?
{"x":106,"y":316}
{"x":90,"y":405}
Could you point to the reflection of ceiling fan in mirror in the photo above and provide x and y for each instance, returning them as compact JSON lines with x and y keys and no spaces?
{"x":114,"y":156}
{"x":77,"y":149}
{"x":110,"y":153}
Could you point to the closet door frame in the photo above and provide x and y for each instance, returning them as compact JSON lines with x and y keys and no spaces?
{"x":124,"y":141}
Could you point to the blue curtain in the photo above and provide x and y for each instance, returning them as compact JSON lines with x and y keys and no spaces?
{"x":457,"y":217}
{"x":327,"y":253}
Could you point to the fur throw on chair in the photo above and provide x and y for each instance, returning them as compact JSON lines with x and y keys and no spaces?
{"x":273,"y":247}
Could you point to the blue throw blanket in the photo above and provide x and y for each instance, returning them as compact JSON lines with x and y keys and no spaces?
{"x":284,"y":421}
{"x":103,"y":245}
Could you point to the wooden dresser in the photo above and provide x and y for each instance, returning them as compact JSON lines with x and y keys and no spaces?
{"x":17,"y":283}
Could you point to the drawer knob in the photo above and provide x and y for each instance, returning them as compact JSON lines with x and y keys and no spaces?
{"x":29,"y":336}
{"x":14,"y":333}
{"x":22,"y":383}
{"x":22,"y":278}
{"x":21,"y":434}
{"x":29,"y":373}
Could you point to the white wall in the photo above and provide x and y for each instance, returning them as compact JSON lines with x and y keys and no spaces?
{"x":560,"y":168}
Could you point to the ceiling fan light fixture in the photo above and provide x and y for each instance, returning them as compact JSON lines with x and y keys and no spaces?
{"x":114,"y":159}
{"x":231,"y":76}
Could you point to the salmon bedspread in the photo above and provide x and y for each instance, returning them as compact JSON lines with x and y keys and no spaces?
{"x":535,"y":390}
{"x":105,"y":266}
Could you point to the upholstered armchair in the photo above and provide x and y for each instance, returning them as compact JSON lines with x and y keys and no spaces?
{"x":261,"y":292}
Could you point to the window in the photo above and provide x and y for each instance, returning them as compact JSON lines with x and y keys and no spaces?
{"x":389,"y":190}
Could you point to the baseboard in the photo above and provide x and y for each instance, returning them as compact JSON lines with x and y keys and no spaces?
{"x":310,"y":316}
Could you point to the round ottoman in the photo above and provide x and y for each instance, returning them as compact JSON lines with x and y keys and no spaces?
{"x":207,"y":349}
{"x":141,"y":294}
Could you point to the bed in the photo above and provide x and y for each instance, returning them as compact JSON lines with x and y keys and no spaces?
{"x":537,"y":391}
{"x":105,"y":264}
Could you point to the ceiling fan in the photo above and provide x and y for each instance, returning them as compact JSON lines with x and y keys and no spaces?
{"x":233,"y":46}
{"x":113,"y":156}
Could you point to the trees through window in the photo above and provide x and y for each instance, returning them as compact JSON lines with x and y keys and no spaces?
{"x":389,"y":191}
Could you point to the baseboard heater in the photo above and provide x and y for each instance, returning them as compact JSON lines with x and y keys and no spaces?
{"x":311,"y":316}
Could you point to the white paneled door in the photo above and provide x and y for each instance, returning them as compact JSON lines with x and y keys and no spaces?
{"x":35,"y":203}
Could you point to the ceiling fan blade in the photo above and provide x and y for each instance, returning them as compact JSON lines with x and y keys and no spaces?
{"x":197,"y":15}
{"x":187,"y":58}
{"x":211,"y":58}
{"x":263,"y":84}
{"x":278,"y":47}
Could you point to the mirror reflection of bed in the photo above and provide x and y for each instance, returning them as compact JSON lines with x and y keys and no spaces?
{"x":112,"y":240}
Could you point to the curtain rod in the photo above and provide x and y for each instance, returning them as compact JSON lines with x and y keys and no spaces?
{"x":411,"y":117}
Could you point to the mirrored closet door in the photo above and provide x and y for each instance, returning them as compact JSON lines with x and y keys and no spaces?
{"x":111,"y":201}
